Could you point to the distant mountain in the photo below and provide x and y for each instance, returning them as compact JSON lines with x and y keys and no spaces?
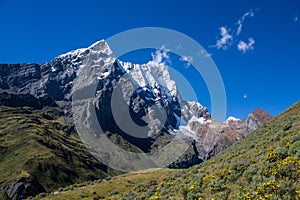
{"x":211,"y":136}
{"x":263,"y":165}
{"x":145,"y":91}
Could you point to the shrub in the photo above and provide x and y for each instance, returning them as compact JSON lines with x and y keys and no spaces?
{"x":286,"y":190}
{"x":240,"y":166}
{"x":250,"y":172}
{"x":294,"y":148}
{"x":297,"y":154}
{"x":272,"y":156}
{"x":184,"y":191}
{"x":216,"y":185}
{"x":194,"y":196}
{"x":287,"y":127}
{"x":295,"y":138}
{"x":278,"y":135}
{"x":281,"y":152}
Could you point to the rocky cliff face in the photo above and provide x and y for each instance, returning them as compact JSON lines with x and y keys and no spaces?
{"x":22,"y":188}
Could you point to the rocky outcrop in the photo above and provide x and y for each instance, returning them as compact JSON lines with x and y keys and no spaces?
{"x":19,"y":78}
{"x":22,"y":188}
{"x":255,"y":119}
{"x":212,"y":136}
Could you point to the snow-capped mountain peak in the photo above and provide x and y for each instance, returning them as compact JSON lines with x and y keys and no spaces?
{"x":151,"y":74}
{"x":97,"y":46}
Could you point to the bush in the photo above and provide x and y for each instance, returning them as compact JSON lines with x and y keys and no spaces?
{"x":287,"y":127}
{"x":278,"y":135}
{"x":281,"y":152}
{"x":295,"y":138}
{"x":240,"y":166}
{"x":184,"y":191}
{"x":286,"y":190}
{"x":294,"y":148}
{"x":297,"y":154}
{"x":234,"y":176}
{"x":216,"y":185}
{"x":194,"y":196}
{"x":250,"y":172}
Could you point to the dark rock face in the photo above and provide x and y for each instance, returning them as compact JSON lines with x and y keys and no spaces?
{"x":58,"y":76}
{"x":54,"y":78}
{"x":142,"y":102}
{"x":18,"y":77}
{"x":189,"y":158}
{"x":22,"y":188}
{"x":20,"y":100}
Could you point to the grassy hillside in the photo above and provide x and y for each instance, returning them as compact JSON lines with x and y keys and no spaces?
{"x":264,"y":165}
{"x":40,"y":145}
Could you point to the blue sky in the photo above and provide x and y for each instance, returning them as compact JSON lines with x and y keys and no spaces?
{"x":265,"y":75}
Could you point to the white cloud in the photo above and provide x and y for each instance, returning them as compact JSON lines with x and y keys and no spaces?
{"x":225,"y":40}
{"x":240,"y":22}
{"x":243,"y":46}
{"x":187,"y":59}
{"x":229,"y":36}
{"x":160,"y":56}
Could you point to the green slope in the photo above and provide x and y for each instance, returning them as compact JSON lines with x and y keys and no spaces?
{"x":264,"y":165}
{"x":40,"y":145}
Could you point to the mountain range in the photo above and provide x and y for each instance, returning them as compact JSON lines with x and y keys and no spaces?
{"x":42,"y":150}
